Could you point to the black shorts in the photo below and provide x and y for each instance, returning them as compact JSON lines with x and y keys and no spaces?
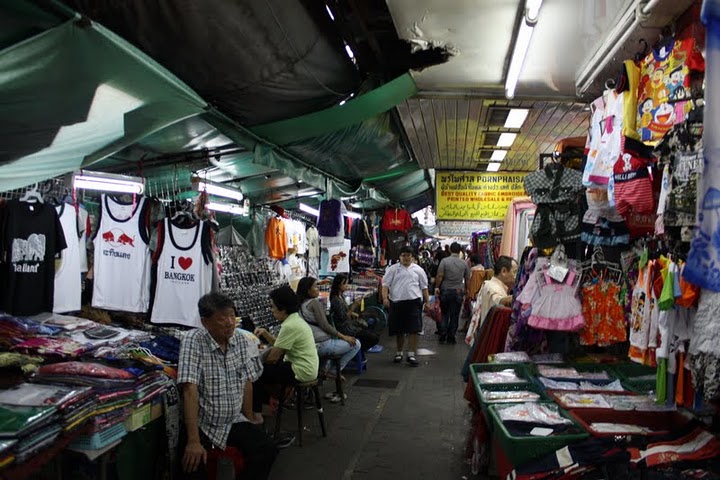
{"x":405,"y":317}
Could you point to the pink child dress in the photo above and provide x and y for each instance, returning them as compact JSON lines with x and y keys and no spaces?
{"x":556,"y":306}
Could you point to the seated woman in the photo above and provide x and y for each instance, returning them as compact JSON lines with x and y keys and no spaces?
{"x":329,"y":342}
{"x":346,"y":320}
{"x":292,"y":356}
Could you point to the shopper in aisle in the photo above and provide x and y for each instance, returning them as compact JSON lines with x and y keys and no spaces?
{"x":495,"y":291}
{"x":451,"y":283}
{"x":292,"y":356}
{"x":405,"y":293}
{"x":216,"y":369}
{"x":346,"y":320}
{"x":330,"y":342}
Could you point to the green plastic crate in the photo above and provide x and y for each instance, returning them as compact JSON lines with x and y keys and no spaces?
{"x":631,"y":372}
{"x":532,"y":387}
{"x":521,"y":370}
{"x":580,"y":367}
{"x":520,"y":450}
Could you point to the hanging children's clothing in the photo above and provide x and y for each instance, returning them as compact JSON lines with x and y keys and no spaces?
{"x":555,"y":190}
{"x":182,"y":273}
{"x":31,"y":237}
{"x":611,"y":139}
{"x":68,"y":282}
{"x":664,"y":88}
{"x":604,"y":313}
{"x":633,"y":180}
{"x":556,"y":306}
{"x":640,"y":316}
{"x":520,"y":337}
{"x":592,"y":144}
{"x":122,"y":256}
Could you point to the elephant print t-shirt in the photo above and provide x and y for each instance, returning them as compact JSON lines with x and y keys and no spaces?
{"x":31,"y":238}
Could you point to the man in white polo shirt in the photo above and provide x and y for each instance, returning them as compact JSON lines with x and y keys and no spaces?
{"x":405,"y":293}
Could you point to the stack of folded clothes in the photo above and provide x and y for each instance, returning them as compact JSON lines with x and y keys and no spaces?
{"x":34,"y":428}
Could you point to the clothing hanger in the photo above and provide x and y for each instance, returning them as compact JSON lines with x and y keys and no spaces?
{"x":640,"y":54}
{"x":32,"y":195}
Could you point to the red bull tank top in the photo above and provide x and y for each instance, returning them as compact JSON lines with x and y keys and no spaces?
{"x":122,"y":257}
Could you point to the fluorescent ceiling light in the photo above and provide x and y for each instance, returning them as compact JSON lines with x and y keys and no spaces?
{"x":349,"y":51}
{"x":516,"y":117}
{"x":219,"y":190}
{"x":108,"y":182}
{"x":308,"y":209}
{"x":330,"y":12}
{"x":498,"y":155}
{"x":227,"y":208}
{"x":353,"y":215}
{"x":506,"y":139}
{"x":522,"y":44}
{"x":493,"y":167}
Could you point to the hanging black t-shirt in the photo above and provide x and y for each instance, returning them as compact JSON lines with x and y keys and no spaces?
{"x":30,"y":239}
{"x":395,"y":240}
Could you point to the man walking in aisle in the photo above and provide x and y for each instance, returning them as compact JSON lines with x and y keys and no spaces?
{"x":405,"y":293}
{"x":216,"y":369}
{"x":496,"y":291}
{"x":451,"y":285}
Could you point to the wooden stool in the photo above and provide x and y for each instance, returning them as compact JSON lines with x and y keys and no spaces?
{"x":215,"y":454}
{"x":301,"y":390}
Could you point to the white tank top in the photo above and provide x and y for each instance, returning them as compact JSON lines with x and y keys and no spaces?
{"x":181,"y":275}
{"x":67,"y":277}
{"x":122,"y":258}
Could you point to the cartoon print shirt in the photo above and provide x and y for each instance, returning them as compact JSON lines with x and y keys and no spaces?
{"x":31,"y":238}
{"x":664,"y":88}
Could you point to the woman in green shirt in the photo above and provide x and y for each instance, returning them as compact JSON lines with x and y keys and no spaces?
{"x":292,"y":356}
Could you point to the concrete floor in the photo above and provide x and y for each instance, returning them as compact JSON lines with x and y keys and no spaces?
{"x":414,"y":431}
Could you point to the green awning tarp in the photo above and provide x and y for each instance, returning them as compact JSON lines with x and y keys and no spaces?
{"x":74,"y":95}
{"x":351,"y":112}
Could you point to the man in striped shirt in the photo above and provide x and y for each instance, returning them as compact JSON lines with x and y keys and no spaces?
{"x":216,"y":369}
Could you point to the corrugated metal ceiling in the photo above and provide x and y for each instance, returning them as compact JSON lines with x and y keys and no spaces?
{"x":461,"y":133}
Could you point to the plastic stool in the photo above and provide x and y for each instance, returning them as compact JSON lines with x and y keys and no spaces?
{"x":359,"y":362}
{"x":301,"y":390}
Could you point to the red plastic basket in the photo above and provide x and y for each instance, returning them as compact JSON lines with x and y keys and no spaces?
{"x":661,"y":423}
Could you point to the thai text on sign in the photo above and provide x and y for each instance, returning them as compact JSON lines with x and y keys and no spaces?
{"x":476,"y":195}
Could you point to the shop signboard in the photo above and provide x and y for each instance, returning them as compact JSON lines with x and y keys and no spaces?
{"x":476,"y":195}
{"x":453,"y":228}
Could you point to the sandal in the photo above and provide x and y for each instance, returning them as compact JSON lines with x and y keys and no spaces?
{"x":398,"y":358}
{"x":413,"y":361}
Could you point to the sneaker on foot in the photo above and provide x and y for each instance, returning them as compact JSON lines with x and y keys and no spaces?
{"x":398,"y":358}
{"x":413,"y":361}
{"x":338,"y":399}
{"x":451,"y":340}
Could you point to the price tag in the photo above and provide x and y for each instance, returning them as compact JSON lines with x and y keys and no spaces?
{"x":541,"y":432}
{"x":558,"y":272}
